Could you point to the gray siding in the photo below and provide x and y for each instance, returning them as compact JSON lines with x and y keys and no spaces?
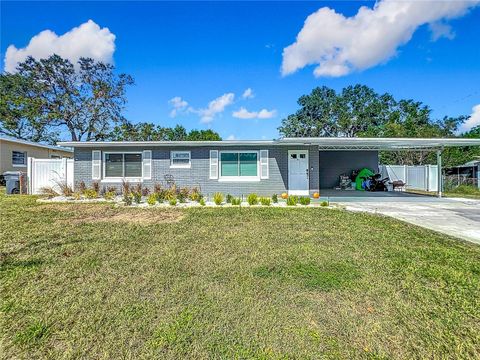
{"x":335,"y":163}
{"x":198,"y":174}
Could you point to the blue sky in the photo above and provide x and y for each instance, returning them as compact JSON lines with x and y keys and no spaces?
{"x":199,"y":51}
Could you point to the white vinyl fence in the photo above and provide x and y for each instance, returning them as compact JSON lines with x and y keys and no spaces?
{"x":49,"y":173}
{"x":424,"y":177}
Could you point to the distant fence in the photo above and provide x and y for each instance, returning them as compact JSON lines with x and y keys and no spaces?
{"x":424,"y":177}
{"x":453,"y":181}
{"x":49,"y":173}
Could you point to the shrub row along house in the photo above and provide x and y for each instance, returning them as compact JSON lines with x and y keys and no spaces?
{"x":299,"y":166}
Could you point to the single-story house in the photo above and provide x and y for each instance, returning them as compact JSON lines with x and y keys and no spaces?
{"x":15,"y":152}
{"x":299,"y":166}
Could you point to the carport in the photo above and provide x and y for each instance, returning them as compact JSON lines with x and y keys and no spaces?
{"x":340,"y":154}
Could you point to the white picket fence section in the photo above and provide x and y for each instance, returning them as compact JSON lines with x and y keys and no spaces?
{"x":49,"y":173}
{"x":423,"y":177}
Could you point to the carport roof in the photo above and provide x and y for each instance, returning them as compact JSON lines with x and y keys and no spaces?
{"x":336,"y":143}
{"x":323,"y":143}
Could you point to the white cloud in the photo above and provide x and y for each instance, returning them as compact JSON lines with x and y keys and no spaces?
{"x":473,"y":121}
{"x":231,"y":137}
{"x":215,"y":107}
{"x":243,"y":113}
{"x":339,"y":45}
{"x":87,"y":40}
{"x":248,"y":94}
{"x":440,"y":29}
{"x":178,"y":104}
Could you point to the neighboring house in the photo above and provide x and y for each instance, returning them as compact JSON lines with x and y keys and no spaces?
{"x":294,"y":165}
{"x":14,"y":153}
{"x":468,"y":173}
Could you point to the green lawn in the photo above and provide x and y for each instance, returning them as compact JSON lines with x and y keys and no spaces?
{"x":98,"y":282}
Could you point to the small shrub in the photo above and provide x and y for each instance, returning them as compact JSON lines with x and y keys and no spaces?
{"x":275,"y":198}
{"x":292,"y":200}
{"x":77,"y":195}
{"x":112,"y":189}
{"x":305,"y":200}
{"x":218,"y":198}
{"x":173,"y":202}
{"x":127,"y":198}
{"x":64,"y":188}
{"x":82,"y":187}
{"x":145,"y":191}
{"x":202,"y":201}
{"x":137,"y":197}
{"x":265,"y":201}
{"x":170,"y":194}
{"x":195,"y":194}
{"x":90,"y":194}
{"x":183,"y":194}
{"x":160,"y":194}
{"x":229,"y":199}
{"x":109,"y":195}
{"x":152,"y":199}
{"x":324,"y":203}
{"x":125,"y":187}
{"x":252,"y":199}
{"x":96,"y":186}
{"x":236,"y":201}
{"x":157,"y":188}
{"x":137,"y":188}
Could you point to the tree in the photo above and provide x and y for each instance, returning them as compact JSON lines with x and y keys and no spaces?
{"x":84,"y":102}
{"x":21,"y":111}
{"x":152,"y":132}
{"x":358,"y":111}
{"x":203,"y":135}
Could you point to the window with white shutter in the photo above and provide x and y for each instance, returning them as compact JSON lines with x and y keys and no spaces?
{"x":147,"y":164}
{"x":263,"y":164}
{"x":213,"y":164}
{"x":96,"y":164}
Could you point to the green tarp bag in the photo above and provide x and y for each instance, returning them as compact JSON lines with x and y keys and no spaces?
{"x":364,"y":173}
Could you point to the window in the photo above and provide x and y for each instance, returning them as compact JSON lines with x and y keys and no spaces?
{"x":123,"y":165}
{"x":241,"y":165}
{"x":19,"y":158}
{"x":180,"y":159}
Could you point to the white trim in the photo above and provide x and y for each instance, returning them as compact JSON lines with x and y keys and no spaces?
{"x":238,"y":178}
{"x":299,"y":192}
{"x":264,"y":161}
{"x":119,"y":179}
{"x":147,"y":164}
{"x":96,"y":165}
{"x":25,"y":158}
{"x":213,"y":167}
{"x":178,"y":166}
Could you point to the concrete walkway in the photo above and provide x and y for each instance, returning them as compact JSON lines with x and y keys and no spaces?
{"x":456,"y":217}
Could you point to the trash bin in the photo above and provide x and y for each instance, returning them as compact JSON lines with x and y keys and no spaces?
{"x":12,"y":180}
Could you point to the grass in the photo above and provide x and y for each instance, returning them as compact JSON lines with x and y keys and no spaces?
{"x":462,"y":191}
{"x":95,"y":281}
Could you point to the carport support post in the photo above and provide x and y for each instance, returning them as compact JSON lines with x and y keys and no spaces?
{"x":439,"y":174}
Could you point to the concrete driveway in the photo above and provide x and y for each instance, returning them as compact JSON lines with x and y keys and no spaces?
{"x":456,"y":217}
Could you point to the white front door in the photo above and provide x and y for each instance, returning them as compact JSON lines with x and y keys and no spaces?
{"x":298,"y":172}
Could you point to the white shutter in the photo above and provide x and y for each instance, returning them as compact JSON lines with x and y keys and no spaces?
{"x":147,"y":164}
{"x":213,"y":164}
{"x":96,"y":164}
{"x":263,"y":164}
